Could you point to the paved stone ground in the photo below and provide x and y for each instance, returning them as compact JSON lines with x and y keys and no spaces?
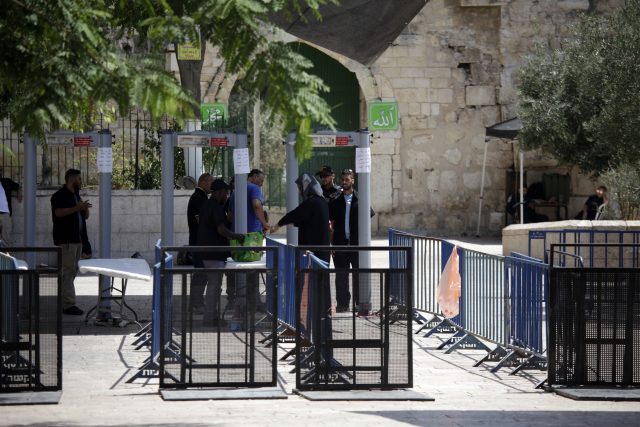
{"x":98,"y":361}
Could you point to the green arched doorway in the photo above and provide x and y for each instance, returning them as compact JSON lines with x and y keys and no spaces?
{"x":344,"y":99}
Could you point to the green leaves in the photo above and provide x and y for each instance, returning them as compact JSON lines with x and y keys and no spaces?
{"x":61,"y":62}
{"x":580,"y":102}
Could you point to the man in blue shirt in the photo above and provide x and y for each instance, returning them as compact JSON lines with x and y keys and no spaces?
{"x":256,"y":215}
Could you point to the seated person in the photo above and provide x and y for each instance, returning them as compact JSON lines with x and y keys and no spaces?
{"x":590,"y":209}
{"x":529,"y":213}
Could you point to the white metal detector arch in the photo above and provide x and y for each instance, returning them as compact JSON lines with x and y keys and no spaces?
{"x":362,"y":140}
{"x":101,"y":139}
{"x":171,"y":139}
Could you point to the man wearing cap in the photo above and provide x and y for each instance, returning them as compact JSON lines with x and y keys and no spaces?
{"x":213,"y":232}
{"x":330,"y":191}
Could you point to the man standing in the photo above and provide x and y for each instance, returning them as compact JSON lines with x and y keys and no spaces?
{"x":213,"y":232}
{"x":6,"y":192}
{"x":256,"y":216}
{"x":343,"y":213}
{"x":68,"y":212}
{"x":197,"y":199}
{"x":330,"y":191}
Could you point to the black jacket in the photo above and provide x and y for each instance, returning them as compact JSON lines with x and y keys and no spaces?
{"x":196,"y":201}
{"x":337,"y":210}
{"x":312,"y":219}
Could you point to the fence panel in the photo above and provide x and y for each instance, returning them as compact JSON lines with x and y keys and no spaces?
{"x":352,"y":348}
{"x":218,"y":345}
{"x":528,"y":284}
{"x":286,"y":297}
{"x":594,"y":324}
{"x":483,"y":303}
{"x":585,"y":245}
{"x":30,"y":323}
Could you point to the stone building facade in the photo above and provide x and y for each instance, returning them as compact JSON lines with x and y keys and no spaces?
{"x":453,"y":71}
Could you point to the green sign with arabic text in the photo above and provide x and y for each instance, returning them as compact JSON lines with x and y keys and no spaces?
{"x":213,"y":115}
{"x":383,"y":115}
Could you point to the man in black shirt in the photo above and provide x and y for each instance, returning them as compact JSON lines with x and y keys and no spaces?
{"x":330,"y":191}
{"x":343,"y":213}
{"x":197,"y":199}
{"x":68,"y":212}
{"x":213,"y":232}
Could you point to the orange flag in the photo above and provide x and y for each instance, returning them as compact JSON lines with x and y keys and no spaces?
{"x":450,"y":286}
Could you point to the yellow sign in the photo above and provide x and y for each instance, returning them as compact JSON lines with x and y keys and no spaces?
{"x":188,"y":52}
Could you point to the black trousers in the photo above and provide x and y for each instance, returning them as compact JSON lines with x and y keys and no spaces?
{"x":344,"y":260}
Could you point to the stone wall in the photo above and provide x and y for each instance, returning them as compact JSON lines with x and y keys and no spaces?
{"x":453,"y":71}
{"x":135,"y":223}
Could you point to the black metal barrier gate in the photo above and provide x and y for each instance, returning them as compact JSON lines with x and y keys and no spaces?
{"x":213,"y":320}
{"x":594,"y":318}
{"x":30,"y":322}
{"x":363,"y":344}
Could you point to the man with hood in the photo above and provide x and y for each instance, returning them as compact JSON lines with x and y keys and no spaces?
{"x":311,"y":216}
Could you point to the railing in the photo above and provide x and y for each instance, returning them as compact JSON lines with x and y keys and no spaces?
{"x":218,"y":344}
{"x":365,"y":344}
{"x":594,"y":319}
{"x":30,"y":322}
{"x":286,"y":295}
{"x":540,"y":242}
{"x":500,"y":297}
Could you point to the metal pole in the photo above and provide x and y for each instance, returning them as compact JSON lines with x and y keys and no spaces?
{"x":240,"y":198}
{"x":167,"y":188}
{"x":256,"y":134}
{"x":105,"y":178}
{"x":521,"y":185}
{"x":193,"y":155}
{"x":29,"y":185}
{"x":364,"y":226}
{"x":292,"y":188}
{"x":484,"y":165}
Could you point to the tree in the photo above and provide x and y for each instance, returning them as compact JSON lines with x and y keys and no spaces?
{"x":580,"y":103}
{"x":60,"y":63}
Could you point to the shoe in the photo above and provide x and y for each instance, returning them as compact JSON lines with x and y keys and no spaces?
{"x":73,"y":311}
{"x":342,"y":309}
{"x":197,"y":309}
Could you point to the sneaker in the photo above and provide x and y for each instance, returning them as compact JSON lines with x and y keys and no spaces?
{"x":197,"y":309}
{"x":342,"y":309}
{"x":73,"y":311}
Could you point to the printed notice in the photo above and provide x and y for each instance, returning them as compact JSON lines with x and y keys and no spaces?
{"x":363,"y":160}
{"x":105,"y":160}
{"x":241,"y":160}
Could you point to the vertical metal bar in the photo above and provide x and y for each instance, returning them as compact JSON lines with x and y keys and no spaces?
{"x":292,"y":189}
{"x":167,"y":187}
{"x":105,"y":181}
{"x":364,"y":223}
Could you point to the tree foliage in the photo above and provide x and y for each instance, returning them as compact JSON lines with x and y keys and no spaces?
{"x":580,"y":103}
{"x":60,"y":64}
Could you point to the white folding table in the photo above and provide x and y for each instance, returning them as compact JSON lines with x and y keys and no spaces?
{"x":124,"y":269}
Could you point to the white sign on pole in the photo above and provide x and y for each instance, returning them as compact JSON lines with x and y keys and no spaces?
{"x":363,"y":160}
{"x":241,"y":160}
{"x":105,"y":160}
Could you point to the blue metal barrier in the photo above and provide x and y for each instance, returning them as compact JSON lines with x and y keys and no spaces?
{"x":502,"y":299}
{"x":286,"y":286}
{"x":528,"y":283}
{"x":150,"y":367}
{"x":540,"y":242}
